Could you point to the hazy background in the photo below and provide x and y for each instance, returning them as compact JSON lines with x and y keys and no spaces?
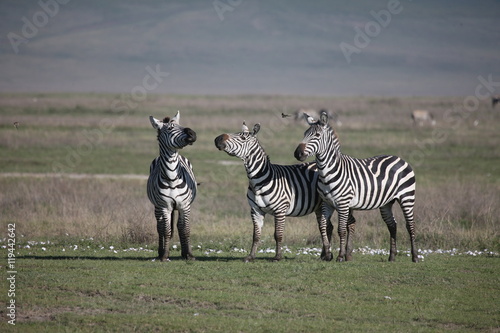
{"x":254,"y":47}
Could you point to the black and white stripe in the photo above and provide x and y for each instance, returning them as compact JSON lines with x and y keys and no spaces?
{"x":279,"y":190}
{"x":347,"y":183}
{"x":172,"y":185}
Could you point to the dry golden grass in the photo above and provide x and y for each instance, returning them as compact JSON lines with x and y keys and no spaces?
{"x":458,"y":188}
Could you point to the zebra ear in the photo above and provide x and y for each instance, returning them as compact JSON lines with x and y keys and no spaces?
{"x":309,"y":119}
{"x":157,"y":124}
{"x":256,"y":129}
{"x":323,"y":118}
{"x":244,"y":127}
{"x":177,"y":118}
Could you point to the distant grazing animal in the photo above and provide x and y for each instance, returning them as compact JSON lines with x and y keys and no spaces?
{"x":421,"y":116}
{"x":495,"y":100}
{"x":299,"y":115}
{"x":172,"y":185}
{"x":16,"y":124}
{"x":279,"y":190}
{"x":284,"y":115}
{"x":347,"y":183}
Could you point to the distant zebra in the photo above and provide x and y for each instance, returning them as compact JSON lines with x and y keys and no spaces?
{"x":495,"y":100}
{"x":421,"y":116}
{"x":347,"y":183}
{"x":279,"y":190}
{"x":172,"y":185}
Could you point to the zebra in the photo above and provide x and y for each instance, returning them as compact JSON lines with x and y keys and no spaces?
{"x":172,"y":185}
{"x":421,"y":116}
{"x":347,"y":183}
{"x":279,"y":190}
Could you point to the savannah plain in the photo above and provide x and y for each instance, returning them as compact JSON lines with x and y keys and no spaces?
{"x":73,"y":177}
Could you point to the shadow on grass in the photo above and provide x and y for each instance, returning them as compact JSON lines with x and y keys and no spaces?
{"x":84,"y":258}
{"x":136,"y":258}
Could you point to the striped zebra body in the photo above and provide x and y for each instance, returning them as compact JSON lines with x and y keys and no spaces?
{"x":279,"y":190}
{"x":348,"y":183}
{"x":171,"y":185}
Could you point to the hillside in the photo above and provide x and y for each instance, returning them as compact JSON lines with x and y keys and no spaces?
{"x":278,"y":47}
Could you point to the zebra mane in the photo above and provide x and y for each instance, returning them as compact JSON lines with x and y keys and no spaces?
{"x":261,"y":148}
{"x":336,"y":139}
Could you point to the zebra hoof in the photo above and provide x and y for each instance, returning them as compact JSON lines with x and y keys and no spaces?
{"x":340,"y":259}
{"x":163,"y":259}
{"x":276,"y":259}
{"x":327,"y":257}
{"x":249,"y":259}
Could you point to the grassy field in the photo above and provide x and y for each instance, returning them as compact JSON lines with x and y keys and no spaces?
{"x":72,"y":179}
{"x":91,"y":289}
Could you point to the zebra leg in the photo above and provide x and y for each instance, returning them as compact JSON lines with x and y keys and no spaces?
{"x":184,"y":233}
{"x":258,"y":222}
{"x":342,"y":230}
{"x":351,"y":223}
{"x":164,"y":220}
{"x":388,"y":217}
{"x":323,"y":216}
{"x":407,"y":208}
{"x":279,"y":226}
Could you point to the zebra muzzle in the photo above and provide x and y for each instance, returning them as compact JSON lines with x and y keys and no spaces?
{"x":300,"y":153}
{"x":220,"y":141}
{"x":191,"y":136}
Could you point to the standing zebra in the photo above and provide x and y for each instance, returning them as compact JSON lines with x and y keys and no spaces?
{"x":171,"y":184}
{"x":347,"y":183}
{"x":279,"y":190}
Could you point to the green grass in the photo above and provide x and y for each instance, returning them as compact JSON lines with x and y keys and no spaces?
{"x":93,"y":289}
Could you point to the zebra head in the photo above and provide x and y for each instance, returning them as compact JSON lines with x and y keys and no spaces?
{"x":239,"y":144}
{"x":316,"y":138}
{"x":171,"y":135}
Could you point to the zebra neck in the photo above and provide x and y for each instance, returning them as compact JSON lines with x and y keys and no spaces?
{"x":330,"y":159}
{"x":169,"y":161}
{"x":257,"y":164}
